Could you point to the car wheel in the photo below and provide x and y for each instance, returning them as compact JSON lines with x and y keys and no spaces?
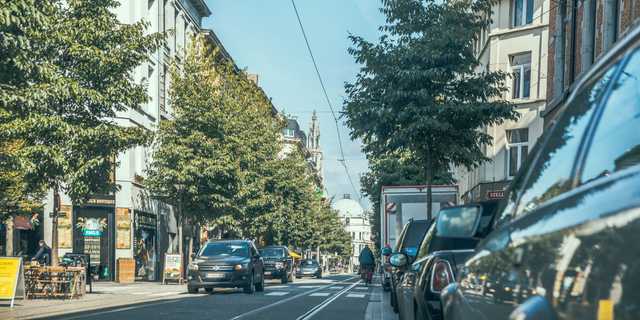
{"x":291,"y":277}
{"x":284,"y":278}
{"x":417,"y":314}
{"x":260,"y":285}
{"x":250,"y":288}
{"x":208,"y":290}
{"x":191,"y":289}
{"x":394,"y":301}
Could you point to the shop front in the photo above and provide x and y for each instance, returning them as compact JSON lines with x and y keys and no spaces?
{"x":146,"y":246}
{"x":94,"y":234}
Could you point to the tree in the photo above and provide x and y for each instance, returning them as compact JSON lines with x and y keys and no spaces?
{"x":418,"y":89}
{"x":73,"y":62}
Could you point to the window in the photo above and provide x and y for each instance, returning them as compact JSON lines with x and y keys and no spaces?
{"x":517,"y":149}
{"x":521,"y":68}
{"x":289,"y":133}
{"x":522,"y":12}
{"x":616,"y":143}
{"x":550,"y":174}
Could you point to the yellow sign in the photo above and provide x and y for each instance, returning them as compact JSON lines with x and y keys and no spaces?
{"x":10,"y":278}
{"x":605,"y":310}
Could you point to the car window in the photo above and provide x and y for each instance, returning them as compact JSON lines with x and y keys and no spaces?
{"x":616,"y":140}
{"x":401,"y":238}
{"x":550,"y":175}
{"x":224,"y":249}
{"x":414,"y":235}
{"x":457,"y":222}
{"x":272,"y":252}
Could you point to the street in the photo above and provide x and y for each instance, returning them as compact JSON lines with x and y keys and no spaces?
{"x":333,"y":297}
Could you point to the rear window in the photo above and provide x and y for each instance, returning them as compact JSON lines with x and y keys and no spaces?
{"x":415,"y":234}
{"x":309,"y":263}
{"x":272,"y":252}
{"x":225,"y":249}
{"x":458,"y":222}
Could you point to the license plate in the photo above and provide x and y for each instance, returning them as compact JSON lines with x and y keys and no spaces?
{"x":215,"y":275}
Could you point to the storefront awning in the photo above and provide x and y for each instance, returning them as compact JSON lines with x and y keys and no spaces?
{"x":295,"y":255}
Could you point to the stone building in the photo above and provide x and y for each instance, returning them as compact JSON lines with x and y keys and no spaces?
{"x":356,"y":223}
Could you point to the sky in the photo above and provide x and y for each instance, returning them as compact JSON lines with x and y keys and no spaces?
{"x":264,"y":37}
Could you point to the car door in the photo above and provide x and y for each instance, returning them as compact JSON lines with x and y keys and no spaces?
{"x":517,"y":260}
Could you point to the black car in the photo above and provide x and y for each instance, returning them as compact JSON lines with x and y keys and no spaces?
{"x":308,"y":268}
{"x":278,"y":263}
{"x":567,"y":244}
{"x":227,"y":264}
{"x":447,"y":245}
{"x":408,"y":242}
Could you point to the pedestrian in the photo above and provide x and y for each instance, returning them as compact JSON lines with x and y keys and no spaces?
{"x":43,"y":256}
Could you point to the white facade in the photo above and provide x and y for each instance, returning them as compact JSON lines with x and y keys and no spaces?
{"x":181,"y":20}
{"x":516,"y":43}
{"x":356,"y":223}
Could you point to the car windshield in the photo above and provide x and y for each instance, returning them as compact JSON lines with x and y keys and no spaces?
{"x":309,"y":263}
{"x":225,"y":249}
{"x":457,"y":222}
{"x":272,"y":252}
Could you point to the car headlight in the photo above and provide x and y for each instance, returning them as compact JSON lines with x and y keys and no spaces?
{"x":193,"y":267}
{"x":279,"y":265}
{"x":239,"y":267}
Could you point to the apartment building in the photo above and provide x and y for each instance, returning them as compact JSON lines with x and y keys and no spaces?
{"x":515,"y":42}
{"x":130,"y":224}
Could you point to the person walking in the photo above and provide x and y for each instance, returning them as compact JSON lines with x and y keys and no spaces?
{"x":43,"y":256}
{"x":367,"y":264}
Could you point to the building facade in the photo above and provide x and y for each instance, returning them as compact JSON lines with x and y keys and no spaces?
{"x":356,"y":222}
{"x":309,"y":146}
{"x":129,"y":223}
{"x":516,"y":43}
{"x":581,"y":32}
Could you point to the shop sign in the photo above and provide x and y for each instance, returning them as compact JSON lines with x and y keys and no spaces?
{"x":11,"y":278}
{"x":172,"y":267}
{"x":123,"y":228}
{"x":64,"y":227}
{"x":495,"y":194}
{"x":105,"y":201}
{"x":92,"y":227}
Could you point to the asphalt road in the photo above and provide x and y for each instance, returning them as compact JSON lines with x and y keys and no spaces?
{"x":331,"y":298}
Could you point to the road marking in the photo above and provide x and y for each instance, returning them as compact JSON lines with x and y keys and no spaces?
{"x":336,"y":288}
{"x":320,"y":294}
{"x":361,"y":288}
{"x":277,"y":287}
{"x":307,"y":315}
{"x":355,"y":295}
{"x":279,"y":302}
{"x":277,"y":293}
{"x":308,"y":287}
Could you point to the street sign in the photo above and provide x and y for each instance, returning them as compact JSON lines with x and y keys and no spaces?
{"x":391,"y":207}
{"x":496,"y":194}
{"x":11,"y":279}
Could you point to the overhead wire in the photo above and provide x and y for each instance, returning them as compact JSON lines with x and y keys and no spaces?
{"x":326,"y":96}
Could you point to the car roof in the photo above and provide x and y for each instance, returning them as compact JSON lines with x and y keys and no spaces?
{"x":229,"y":241}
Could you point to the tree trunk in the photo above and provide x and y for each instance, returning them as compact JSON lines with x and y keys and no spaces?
{"x":429,"y":173}
{"x":10,"y":248}
{"x":180,"y":251}
{"x":54,"y":227}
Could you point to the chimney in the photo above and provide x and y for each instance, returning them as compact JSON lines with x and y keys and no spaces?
{"x":253,"y":77}
{"x":347,"y":196}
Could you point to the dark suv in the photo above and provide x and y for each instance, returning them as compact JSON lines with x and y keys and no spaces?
{"x":278,"y":263}
{"x":567,"y":244}
{"x":227,"y":264}
{"x":408,"y":243}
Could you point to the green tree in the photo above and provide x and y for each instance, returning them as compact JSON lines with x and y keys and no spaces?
{"x":73,"y":62}
{"x":419,"y":90}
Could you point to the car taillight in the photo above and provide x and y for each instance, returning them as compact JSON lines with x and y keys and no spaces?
{"x":441,"y":276}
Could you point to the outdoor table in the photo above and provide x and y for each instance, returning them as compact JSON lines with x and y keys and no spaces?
{"x":54,"y":282}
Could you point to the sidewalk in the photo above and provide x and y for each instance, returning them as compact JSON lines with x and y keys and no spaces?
{"x":378,"y":307}
{"x":105,"y":295}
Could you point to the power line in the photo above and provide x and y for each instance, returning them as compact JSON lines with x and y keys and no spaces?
{"x":326,"y":96}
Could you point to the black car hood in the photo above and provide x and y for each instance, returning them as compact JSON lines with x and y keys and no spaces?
{"x":226,"y":260}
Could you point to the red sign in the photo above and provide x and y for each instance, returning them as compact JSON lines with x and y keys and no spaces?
{"x":22,"y":223}
{"x":495,"y":194}
{"x":391,"y":207}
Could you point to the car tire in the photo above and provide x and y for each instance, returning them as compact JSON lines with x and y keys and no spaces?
{"x":260,"y":285}
{"x":284,"y":279}
{"x":417,"y":314}
{"x":291,"y":277}
{"x":192,"y":290}
{"x":250,"y":288}
{"x":394,"y":302}
{"x":208,"y":290}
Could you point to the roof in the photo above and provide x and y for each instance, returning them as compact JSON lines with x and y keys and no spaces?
{"x":349,"y":208}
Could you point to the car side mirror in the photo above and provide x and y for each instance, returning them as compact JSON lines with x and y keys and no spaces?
{"x":399,"y":260}
{"x":386,"y":251}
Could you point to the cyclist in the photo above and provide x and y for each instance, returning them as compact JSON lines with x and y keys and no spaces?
{"x":367,"y":264}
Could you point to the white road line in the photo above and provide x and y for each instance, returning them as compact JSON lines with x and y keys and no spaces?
{"x":308,"y":287}
{"x":336,"y":288}
{"x":361,"y":288}
{"x":277,"y":293}
{"x":257,"y":310}
{"x":355,"y":295}
{"x":307,"y":315}
{"x":276,"y":287}
{"x":320,"y":294}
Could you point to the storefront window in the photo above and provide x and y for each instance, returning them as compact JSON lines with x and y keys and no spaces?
{"x":93,"y":235}
{"x":145,"y":246}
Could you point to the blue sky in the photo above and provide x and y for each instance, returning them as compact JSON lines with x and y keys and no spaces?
{"x":264,"y":37}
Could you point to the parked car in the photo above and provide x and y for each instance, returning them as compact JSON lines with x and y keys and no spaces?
{"x":410,"y":239}
{"x":566,"y":246}
{"x":446,"y":247}
{"x":226,"y":264}
{"x":278,"y":263}
{"x":309,"y":268}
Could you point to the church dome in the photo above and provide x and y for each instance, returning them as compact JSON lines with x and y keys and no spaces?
{"x":349,"y":208}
